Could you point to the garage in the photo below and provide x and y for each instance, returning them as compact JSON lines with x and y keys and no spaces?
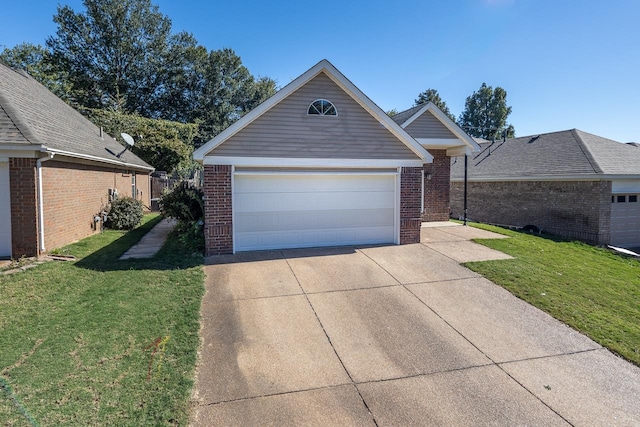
{"x":625,"y":220}
{"x":5,"y":212}
{"x":276,"y":210}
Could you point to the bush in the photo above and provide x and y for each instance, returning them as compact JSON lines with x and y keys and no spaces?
{"x":125,"y":213}
{"x":184,"y":203}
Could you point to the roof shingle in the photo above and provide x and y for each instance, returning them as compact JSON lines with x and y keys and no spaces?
{"x":31,"y":114}
{"x":565,"y":153}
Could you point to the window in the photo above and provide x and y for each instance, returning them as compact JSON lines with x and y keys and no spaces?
{"x":633,"y":198}
{"x":322,"y":107}
{"x":622,"y":199}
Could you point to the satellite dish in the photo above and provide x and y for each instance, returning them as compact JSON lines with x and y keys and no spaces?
{"x":127,"y":138}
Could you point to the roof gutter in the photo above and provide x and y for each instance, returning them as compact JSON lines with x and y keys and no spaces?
{"x":40,"y":200}
{"x":93,"y":158}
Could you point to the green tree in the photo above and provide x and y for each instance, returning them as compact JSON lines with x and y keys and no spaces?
{"x":229,"y":92}
{"x":165,"y":145}
{"x":432,"y":95}
{"x":119,"y":54}
{"x":34,"y":59}
{"x":486,"y":112}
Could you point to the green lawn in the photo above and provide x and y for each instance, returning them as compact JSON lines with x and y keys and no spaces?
{"x":590,"y":289}
{"x":101,"y":341}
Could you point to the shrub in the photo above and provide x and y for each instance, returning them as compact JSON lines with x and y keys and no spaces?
{"x":184,"y":203}
{"x":125,"y":213}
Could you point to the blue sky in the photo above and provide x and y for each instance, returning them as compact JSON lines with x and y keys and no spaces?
{"x":564,"y":63}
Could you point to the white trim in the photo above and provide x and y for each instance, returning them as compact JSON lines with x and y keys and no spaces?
{"x":41,"y":200}
{"x":364,"y":172}
{"x":233,"y":211}
{"x":440,"y":143}
{"x":446,"y":121}
{"x":309,"y":162}
{"x":94,"y":158}
{"x":338,"y":78}
{"x":625,"y":186}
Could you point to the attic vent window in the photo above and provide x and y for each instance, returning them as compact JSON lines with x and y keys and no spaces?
{"x":322,"y":107}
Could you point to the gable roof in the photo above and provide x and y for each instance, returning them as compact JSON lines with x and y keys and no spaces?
{"x":405,"y":118}
{"x":564,"y":154}
{"x":339,"y":79}
{"x":32,"y":117}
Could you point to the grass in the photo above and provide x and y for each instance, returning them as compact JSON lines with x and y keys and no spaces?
{"x":590,"y":289}
{"x":101,"y":341}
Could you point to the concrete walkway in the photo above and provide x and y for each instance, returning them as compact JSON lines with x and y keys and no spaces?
{"x":393,"y":335}
{"x":151,"y":243}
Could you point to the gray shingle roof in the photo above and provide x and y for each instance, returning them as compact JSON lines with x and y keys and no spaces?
{"x":565,"y":153}
{"x":32,"y":115}
{"x":403,"y":116}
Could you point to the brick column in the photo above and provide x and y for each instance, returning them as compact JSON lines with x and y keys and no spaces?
{"x":24,"y":211}
{"x":410,"y":193}
{"x":437,"y":189}
{"x":218,"y":229}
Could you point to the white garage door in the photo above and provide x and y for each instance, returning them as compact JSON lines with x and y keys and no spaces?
{"x":296,"y":210}
{"x":625,"y":220}
{"x":5,"y":212}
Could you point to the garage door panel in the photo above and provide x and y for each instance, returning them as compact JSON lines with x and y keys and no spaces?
{"x":625,"y":221}
{"x":312,"y":201}
{"x":288,"y":211}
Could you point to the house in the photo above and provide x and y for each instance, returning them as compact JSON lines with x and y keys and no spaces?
{"x":443,"y":139}
{"x":317,"y":164}
{"x":569,"y":183}
{"x":57,"y":170}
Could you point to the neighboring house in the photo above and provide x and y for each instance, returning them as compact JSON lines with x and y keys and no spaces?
{"x":56,"y":170}
{"x":317,"y":164}
{"x":444,"y":139}
{"x":569,"y":183}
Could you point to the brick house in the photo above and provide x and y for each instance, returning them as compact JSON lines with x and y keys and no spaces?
{"x":56,"y":169}
{"x":317,"y":164}
{"x":569,"y":183}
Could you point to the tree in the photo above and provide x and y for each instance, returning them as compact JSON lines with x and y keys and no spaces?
{"x":34,"y":59}
{"x":432,"y":95}
{"x":119,"y":54}
{"x":485,"y":113}
{"x":229,"y":92}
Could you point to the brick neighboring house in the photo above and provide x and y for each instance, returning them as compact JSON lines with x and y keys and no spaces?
{"x":569,"y":183}
{"x":56,"y":170}
{"x":317,"y":164}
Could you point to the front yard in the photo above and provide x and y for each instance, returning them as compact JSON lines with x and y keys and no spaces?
{"x":590,"y":289}
{"x":101,"y":341}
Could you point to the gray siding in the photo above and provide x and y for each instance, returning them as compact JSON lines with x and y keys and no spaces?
{"x":287,"y":131}
{"x":428,"y":126}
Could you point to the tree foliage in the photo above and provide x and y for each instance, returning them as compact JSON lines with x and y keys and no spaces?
{"x":432,"y":95}
{"x":163,"y":144}
{"x":35,"y":60}
{"x":486,"y":112}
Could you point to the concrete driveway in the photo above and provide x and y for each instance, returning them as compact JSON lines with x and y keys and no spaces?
{"x":394,"y":335}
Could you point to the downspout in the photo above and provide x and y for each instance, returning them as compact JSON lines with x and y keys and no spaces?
{"x":40,"y":200}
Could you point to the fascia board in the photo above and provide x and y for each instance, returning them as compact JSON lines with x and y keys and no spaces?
{"x":311,"y":162}
{"x":446,"y":121}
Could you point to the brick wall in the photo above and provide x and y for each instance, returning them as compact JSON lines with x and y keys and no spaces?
{"x":436,"y":191}
{"x":574,"y":209}
{"x":24,"y":217}
{"x":410,"y":193}
{"x":218,"y":230}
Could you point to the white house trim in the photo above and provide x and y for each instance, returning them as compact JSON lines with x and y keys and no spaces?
{"x":344,"y":83}
{"x":94,"y":158}
{"x":454,"y":128}
{"x":309,"y":162}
